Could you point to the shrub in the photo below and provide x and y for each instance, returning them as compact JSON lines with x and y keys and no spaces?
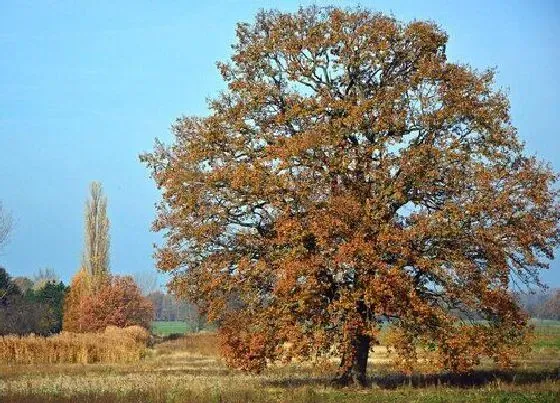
{"x":116,"y":301}
{"x":136,"y":333}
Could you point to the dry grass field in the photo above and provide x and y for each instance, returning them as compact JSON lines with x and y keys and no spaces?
{"x":188,"y":369}
{"x":113,"y":345}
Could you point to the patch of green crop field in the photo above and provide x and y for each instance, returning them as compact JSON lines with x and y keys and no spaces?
{"x":547,"y":334}
{"x":165,"y":328}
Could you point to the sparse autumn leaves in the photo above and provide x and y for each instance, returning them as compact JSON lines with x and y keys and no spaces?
{"x":349,"y":176}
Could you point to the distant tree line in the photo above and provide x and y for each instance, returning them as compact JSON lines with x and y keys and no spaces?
{"x":541,"y":305}
{"x":28,"y":306}
{"x":95,"y":299}
{"x":167,"y":307}
{"x":45,"y":306}
{"x":551,"y":307}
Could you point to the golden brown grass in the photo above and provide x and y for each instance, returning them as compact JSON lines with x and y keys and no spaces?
{"x":112,"y":346}
{"x":188,"y":370}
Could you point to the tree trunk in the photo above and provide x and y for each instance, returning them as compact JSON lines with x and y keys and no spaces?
{"x":354,"y":363}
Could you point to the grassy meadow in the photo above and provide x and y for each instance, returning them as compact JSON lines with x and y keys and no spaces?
{"x":188,"y":369}
{"x":166,"y":328}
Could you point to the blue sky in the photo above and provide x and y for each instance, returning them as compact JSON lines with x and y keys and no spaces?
{"x":86,"y":86}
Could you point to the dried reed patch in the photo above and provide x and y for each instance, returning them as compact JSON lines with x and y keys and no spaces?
{"x":114,"y":345}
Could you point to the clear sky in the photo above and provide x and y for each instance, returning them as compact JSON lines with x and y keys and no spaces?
{"x":85,"y":86}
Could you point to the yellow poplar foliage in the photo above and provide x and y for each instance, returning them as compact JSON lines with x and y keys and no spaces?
{"x":350,"y":176}
{"x":80,"y":287}
{"x":114,"y":345}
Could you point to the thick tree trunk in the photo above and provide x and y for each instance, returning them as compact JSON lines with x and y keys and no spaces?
{"x":354,"y":364}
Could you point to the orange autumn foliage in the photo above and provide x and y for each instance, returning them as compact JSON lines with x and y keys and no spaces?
{"x":117,"y":301}
{"x":79,"y":288}
{"x":350,"y":176}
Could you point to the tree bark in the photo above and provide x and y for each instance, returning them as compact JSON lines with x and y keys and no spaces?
{"x":354,"y":363}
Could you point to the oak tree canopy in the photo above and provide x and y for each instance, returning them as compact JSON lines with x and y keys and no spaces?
{"x":351,"y":176}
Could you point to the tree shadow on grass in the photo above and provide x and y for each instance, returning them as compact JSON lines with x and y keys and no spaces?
{"x":466,"y":380}
{"x":461,"y":380}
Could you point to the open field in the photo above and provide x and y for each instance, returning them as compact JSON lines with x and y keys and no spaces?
{"x":165,"y":328}
{"x":189,"y":370}
{"x":548,"y":334}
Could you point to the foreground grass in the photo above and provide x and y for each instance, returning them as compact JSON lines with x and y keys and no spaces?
{"x":189,"y":370}
{"x":304,"y":395}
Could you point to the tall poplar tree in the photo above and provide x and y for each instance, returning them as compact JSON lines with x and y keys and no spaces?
{"x":5,"y":226}
{"x":95,"y":257}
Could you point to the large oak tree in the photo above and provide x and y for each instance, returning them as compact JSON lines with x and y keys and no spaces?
{"x":349,"y":176}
